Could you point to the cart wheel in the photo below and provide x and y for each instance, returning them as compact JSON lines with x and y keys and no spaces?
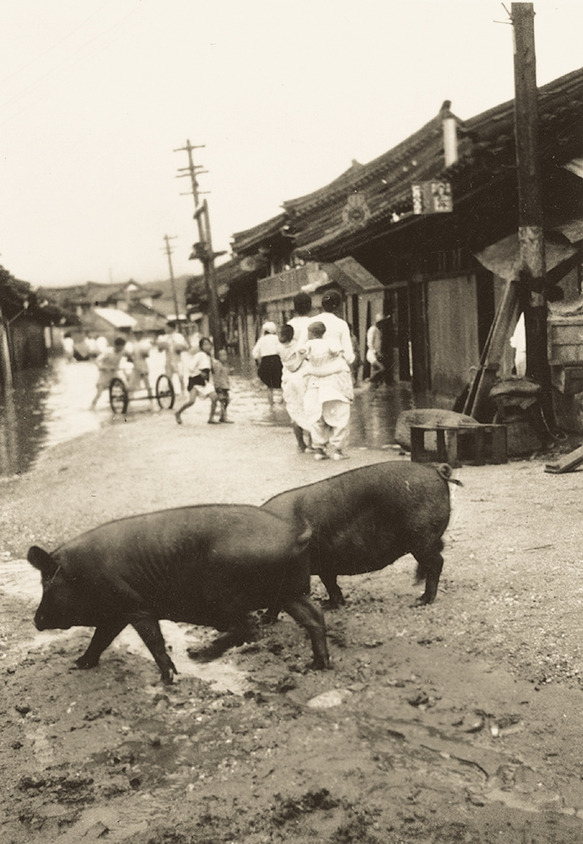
{"x":118,"y":396}
{"x":165,"y":392}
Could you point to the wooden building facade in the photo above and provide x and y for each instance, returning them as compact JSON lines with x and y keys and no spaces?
{"x":425,"y":270}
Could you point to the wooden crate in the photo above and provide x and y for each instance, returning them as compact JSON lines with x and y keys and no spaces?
{"x":478,"y":445}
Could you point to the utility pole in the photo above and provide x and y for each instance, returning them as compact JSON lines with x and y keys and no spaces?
{"x":532,"y":273}
{"x":168,"y":251}
{"x":203,"y":250}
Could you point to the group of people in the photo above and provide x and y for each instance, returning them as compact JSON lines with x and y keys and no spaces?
{"x":198,"y":372}
{"x":208,"y":377}
{"x":310,"y":361}
{"x":83,"y":346}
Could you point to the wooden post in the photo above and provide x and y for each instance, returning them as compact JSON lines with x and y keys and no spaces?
{"x":485,"y":376}
{"x":530,"y":213}
{"x":420,"y":377}
{"x":206,"y":255}
{"x":211,"y":283}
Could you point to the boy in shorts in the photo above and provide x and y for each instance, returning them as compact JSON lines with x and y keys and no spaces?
{"x":198,"y":367}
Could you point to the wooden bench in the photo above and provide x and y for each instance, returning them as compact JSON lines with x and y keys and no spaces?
{"x":478,"y":444}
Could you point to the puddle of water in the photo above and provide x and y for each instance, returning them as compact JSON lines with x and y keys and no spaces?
{"x":49,"y":406}
{"x":221,"y":675}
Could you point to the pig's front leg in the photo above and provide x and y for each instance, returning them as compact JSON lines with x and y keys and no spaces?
{"x":148,"y":629}
{"x":102,"y":638}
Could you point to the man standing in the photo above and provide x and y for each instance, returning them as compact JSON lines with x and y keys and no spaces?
{"x":373,"y":352}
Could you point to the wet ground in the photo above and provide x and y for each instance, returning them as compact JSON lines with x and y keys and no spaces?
{"x":50,"y":406}
{"x":456,"y":722}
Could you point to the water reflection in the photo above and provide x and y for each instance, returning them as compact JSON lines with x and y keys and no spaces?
{"x":49,"y":406}
{"x":44,"y":407}
{"x":374,"y":414}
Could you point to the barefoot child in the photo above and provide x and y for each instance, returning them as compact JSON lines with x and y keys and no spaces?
{"x":198,"y":367}
{"x":221,"y":380}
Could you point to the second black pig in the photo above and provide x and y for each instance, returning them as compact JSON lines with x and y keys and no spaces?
{"x":365,"y":519}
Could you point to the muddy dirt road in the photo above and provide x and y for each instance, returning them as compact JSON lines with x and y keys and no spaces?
{"x":457,"y":722}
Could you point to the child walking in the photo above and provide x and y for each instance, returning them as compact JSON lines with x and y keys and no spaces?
{"x":222,"y":382}
{"x":198,"y":367}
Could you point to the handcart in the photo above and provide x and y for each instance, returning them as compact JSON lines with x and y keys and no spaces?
{"x":123,"y":389}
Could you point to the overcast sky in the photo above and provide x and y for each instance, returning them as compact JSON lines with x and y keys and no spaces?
{"x":95,"y":96}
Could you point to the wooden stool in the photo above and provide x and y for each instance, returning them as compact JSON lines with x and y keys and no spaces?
{"x":478,"y":444}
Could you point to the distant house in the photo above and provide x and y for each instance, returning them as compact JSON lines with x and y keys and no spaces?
{"x":108,"y":323}
{"x":26,"y":320}
{"x":108,"y":309}
{"x":171,"y":297}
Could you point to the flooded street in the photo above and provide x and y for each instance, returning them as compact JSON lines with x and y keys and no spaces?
{"x":464,"y":711}
{"x":50,"y":406}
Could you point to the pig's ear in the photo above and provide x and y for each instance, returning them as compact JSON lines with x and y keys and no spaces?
{"x":42,"y":561}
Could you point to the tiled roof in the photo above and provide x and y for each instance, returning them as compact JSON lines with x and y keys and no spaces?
{"x":486,"y":157}
{"x":485,"y":147}
{"x":384,"y":185}
{"x":251,"y":238}
{"x":233,"y":270}
{"x":119,"y":319}
{"x":139,"y":291}
{"x":386,"y":169}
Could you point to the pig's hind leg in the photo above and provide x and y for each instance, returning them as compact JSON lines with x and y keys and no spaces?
{"x":237,"y":633}
{"x":429,"y":566}
{"x":102,"y":638}
{"x":335,"y":597}
{"x":311,"y":617}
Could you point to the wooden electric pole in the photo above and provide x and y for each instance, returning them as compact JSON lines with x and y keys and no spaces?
{"x":532,"y":273}
{"x":168,"y":251}
{"x":203,"y":250}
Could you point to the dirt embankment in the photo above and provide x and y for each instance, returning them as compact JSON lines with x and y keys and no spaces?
{"x":454,"y":722}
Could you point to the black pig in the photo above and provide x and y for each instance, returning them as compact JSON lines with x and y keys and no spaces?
{"x":365,"y":519}
{"x":209,"y":565}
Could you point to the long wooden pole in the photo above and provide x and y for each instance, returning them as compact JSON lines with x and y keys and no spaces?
{"x":532,"y":271}
{"x":172,"y":280}
{"x":206,"y":256}
{"x":209,"y":265}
